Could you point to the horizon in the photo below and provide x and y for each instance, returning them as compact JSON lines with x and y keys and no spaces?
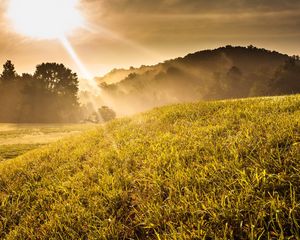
{"x":154,"y":64}
{"x":115,"y":34}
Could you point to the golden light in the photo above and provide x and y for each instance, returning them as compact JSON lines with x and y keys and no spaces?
{"x":44,"y":19}
{"x":91,"y":83}
{"x":50,"y":19}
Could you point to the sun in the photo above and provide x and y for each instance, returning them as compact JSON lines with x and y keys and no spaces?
{"x":44,"y":19}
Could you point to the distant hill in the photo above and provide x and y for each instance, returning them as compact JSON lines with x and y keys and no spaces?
{"x":227,"y":72}
{"x":209,"y":170}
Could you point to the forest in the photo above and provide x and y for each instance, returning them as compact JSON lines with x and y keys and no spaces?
{"x":49,"y":95}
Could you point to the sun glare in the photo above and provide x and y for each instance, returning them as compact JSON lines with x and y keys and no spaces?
{"x":50,"y":19}
{"x":44,"y":19}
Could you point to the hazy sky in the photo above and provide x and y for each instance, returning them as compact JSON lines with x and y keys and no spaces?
{"x":123,"y":33}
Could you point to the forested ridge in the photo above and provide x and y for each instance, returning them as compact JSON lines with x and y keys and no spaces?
{"x":223,"y":73}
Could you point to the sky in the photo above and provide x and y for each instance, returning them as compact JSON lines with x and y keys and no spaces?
{"x":124,"y":33}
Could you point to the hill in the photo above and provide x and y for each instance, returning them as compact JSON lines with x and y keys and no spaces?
{"x":227,"y":72}
{"x":208,"y":170}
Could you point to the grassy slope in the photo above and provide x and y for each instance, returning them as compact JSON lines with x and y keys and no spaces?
{"x":213,"y":170}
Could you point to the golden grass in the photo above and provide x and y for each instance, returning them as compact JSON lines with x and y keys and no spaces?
{"x":217,"y":170}
{"x":17,"y":139}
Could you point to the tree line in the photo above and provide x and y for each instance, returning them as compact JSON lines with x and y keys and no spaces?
{"x":48,"y":95}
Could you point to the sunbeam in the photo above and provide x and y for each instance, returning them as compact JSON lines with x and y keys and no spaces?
{"x":92,"y":84}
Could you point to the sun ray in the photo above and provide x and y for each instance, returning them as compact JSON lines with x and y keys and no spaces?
{"x":83,"y":70}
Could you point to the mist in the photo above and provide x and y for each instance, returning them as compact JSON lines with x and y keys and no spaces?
{"x":224,"y":73}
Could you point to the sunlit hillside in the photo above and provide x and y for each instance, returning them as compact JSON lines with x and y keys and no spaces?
{"x":208,"y":170}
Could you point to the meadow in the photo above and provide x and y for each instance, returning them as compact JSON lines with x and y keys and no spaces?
{"x":208,"y":170}
{"x":17,"y":139}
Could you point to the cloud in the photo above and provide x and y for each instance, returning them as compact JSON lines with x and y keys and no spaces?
{"x":141,"y":19}
{"x":165,"y":25}
{"x":192,"y":6}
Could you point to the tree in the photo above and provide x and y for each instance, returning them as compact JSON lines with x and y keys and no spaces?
{"x":10,"y":96}
{"x":58,"y":88}
{"x":56,"y":78}
{"x":232,"y":81}
{"x":106,"y":114}
{"x":30,"y":98}
{"x":102,"y":115}
{"x":50,"y":95}
{"x":9,"y":73}
{"x":286,"y":79}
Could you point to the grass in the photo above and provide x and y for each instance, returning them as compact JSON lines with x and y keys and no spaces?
{"x":217,"y":170}
{"x":17,"y":139}
{"x":15,"y":150}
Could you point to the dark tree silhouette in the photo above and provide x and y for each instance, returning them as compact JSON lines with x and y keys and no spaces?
{"x":9,"y":93}
{"x":9,"y":73}
{"x":56,"y":78}
{"x":60,"y":87}
{"x":50,"y":95}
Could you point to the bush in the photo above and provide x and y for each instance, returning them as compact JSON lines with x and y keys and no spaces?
{"x":106,"y":114}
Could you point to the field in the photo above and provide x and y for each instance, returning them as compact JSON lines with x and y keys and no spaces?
{"x":17,"y":139}
{"x":209,"y":170}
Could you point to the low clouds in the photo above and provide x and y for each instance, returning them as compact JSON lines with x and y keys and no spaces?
{"x":191,"y":19}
